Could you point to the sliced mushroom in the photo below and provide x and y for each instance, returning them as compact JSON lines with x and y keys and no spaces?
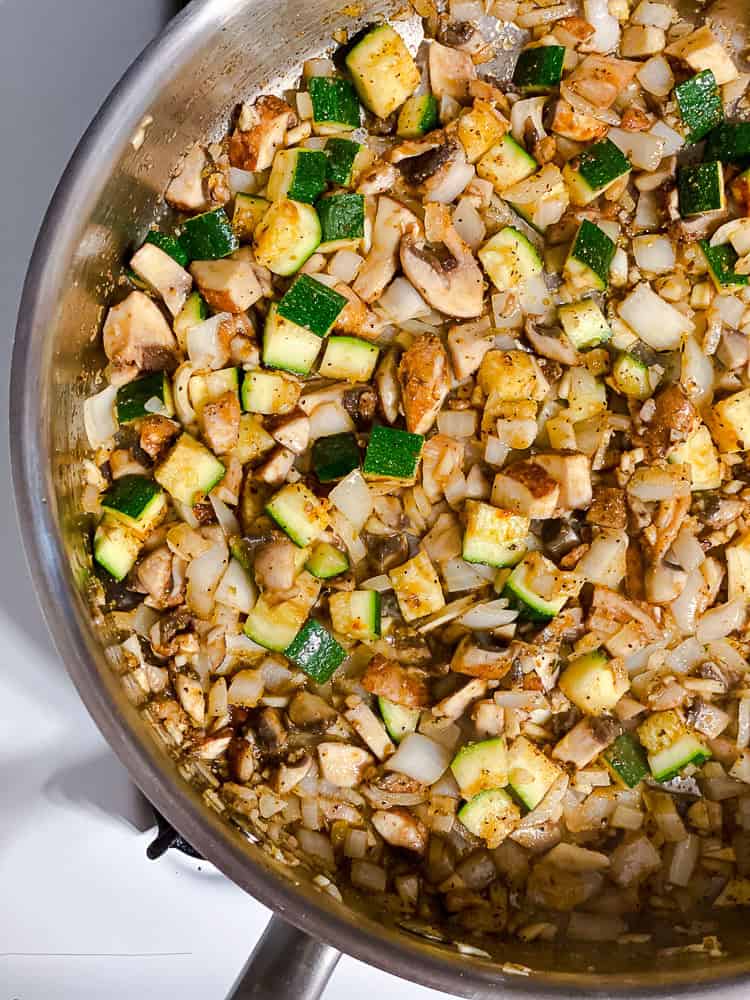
{"x":162,"y":273}
{"x":468,"y":343}
{"x":228,"y":285}
{"x":424,"y":374}
{"x":436,"y":166}
{"x":290,"y":774}
{"x":154,"y":576}
{"x":277,"y":467}
{"x":293,"y":432}
{"x":262,"y":128}
{"x":386,"y":380}
{"x":451,"y":72}
{"x":400,"y":828}
{"x":137,"y":338}
{"x":451,"y":284}
{"x":386,"y":551}
{"x":270,"y":730}
{"x":343,"y":764}
{"x":190,"y":693}
{"x":309,"y":711}
{"x":241,"y":759}
{"x":575,"y":125}
{"x":221,"y":423}
{"x":392,"y":221}
{"x":186,"y":190}
{"x":526,"y":488}
{"x":674,"y":419}
{"x":275,"y":565}
{"x":378,"y":178}
{"x":156,"y":433}
{"x":355,"y":317}
{"x":390,"y":680}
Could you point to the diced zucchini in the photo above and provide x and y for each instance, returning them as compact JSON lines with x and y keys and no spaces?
{"x":326,"y":561}
{"x":729,"y":142}
{"x":315,"y":651}
{"x":288,"y":346}
{"x":418,"y":116}
{"x":399,"y":720}
{"x":730,"y":422}
{"x":590,"y":173}
{"x":275,"y":626}
{"x":540,"y":198}
{"x":299,"y":513}
{"x":594,"y":683}
{"x":480,"y":766}
{"x":116,"y":547}
{"x":584,"y":324}
{"x":505,"y":164}
{"x":286,"y":236}
{"x":480,"y":128}
{"x":137,"y":501}
{"x":626,"y":759}
{"x":509,"y":259}
{"x":700,"y":187}
{"x":382,"y":69}
{"x":335,"y":104}
{"x":670,"y":744}
{"x":587,"y":265}
{"x":311,"y":305}
{"x":192,"y":313}
{"x":341,"y":155}
{"x":392,"y":454}
{"x":342,"y":221}
{"x":209,"y":387}
{"x":149,"y":394}
{"x":721,"y":262}
{"x":335,"y":456}
{"x":349,"y":358}
{"x":249,"y":209}
{"x":189,"y":471}
{"x":491,"y":815}
{"x":533,"y":575}
{"x":530,"y":773}
{"x":539,"y":69}
{"x":267,"y":392}
{"x":630,"y":376}
{"x":699,"y":453}
{"x":253,"y":441}
{"x":701,"y":108}
{"x":298,"y":174}
{"x":356,"y":613}
{"x":417,"y":587}
{"x":492,"y":536}
{"x":170,"y":245}
{"x":209,"y":236}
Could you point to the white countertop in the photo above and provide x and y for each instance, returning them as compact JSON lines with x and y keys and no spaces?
{"x":84,"y":914}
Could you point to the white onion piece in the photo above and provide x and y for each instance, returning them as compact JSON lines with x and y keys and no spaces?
{"x":604,"y":563}
{"x":664,"y":583}
{"x":495,"y":451}
{"x":243,"y":181}
{"x":490,"y":615}
{"x":606,"y":35}
{"x":181,"y":394}
{"x":651,"y":483}
{"x":644,"y":151}
{"x":725,"y":652}
{"x":330,"y":418}
{"x":730,"y":308}
{"x":345,"y":265}
{"x":365,"y":875}
{"x":720,"y":621}
{"x":457,"y":423}
{"x":545,"y":15}
{"x":687,"y":550}
{"x":584,"y":107}
{"x":99,"y":416}
{"x":460,"y":575}
{"x":687,"y":655}
{"x":321,"y":66}
{"x":226,"y":517}
{"x":673,"y":141}
{"x":656,"y":76}
{"x":381,"y":583}
{"x":469,"y":223}
{"x":724,"y":233}
{"x":647,"y":211}
{"x":466,"y":10}
{"x":697,"y":372}
{"x":203,"y":576}
{"x":205,"y":348}
{"x":536,"y":298}
{"x":420,"y":758}
{"x":507,"y":315}
{"x":654,"y":320}
{"x":685,"y":607}
{"x":458,"y":175}
{"x":401,"y":301}
{"x":447,"y":785}
{"x":654,"y":254}
{"x":658,"y":15}
{"x":236,"y":589}
{"x":315,"y":142}
{"x":304,"y":105}
{"x":530,"y":108}
{"x":353,"y":498}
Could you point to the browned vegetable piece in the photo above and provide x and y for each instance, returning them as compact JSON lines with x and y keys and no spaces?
{"x":674,"y":419}
{"x":425,"y":381}
{"x":608,"y":508}
{"x":401,"y":685}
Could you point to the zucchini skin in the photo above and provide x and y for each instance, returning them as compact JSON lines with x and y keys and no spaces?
{"x":700,"y":187}
{"x":721,"y":261}
{"x":334,"y":101}
{"x":311,"y":305}
{"x":171,"y":245}
{"x":539,"y":69}
{"x":209,"y":236}
{"x":699,"y":101}
{"x":729,"y":142}
{"x":335,"y":456}
{"x":393,"y":453}
{"x":129,"y":496}
{"x":594,"y":249}
{"x":315,"y":651}
{"x":342,"y":217}
{"x":601,"y":164}
{"x":340,"y":154}
{"x":133,"y":396}
{"x":627,"y":758}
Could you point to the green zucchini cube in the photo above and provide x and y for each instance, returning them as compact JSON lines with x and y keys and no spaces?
{"x":116,"y":547}
{"x":335,"y":456}
{"x":539,"y":69}
{"x":729,"y":142}
{"x":298,"y":174}
{"x":392,"y":454}
{"x":341,"y":154}
{"x":209,"y":236}
{"x":589,"y":260}
{"x":700,"y":104}
{"x":142,"y":397}
{"x":721,"y":261}
{"x":171,"y":245}
{"x":342,"y":221}
{"x":700,"y":188}
{"x":189,"y":471}
{"x":315,"y":651}
{"x":594,"y":170}
{"x":627,"y":760}
{"x":418,"y":116}
{"x":137,"y":501}
{"x":335,"y":104}
{"x":311,"y":305}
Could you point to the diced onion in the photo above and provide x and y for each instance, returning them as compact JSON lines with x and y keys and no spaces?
{"x":236,"y":589}
{"x":329,"y":418}
{"x":204,"y":347}
{"x":606,"y":35}
{"x":604,"y":563}
{"x":380,"y":583}
{"x":181,"y":394}
{"x":203,"y":576}
{"x":697,"y":372}
{"x":401,"y":301}
{"x":457,"y":423}
{"x":684,"y":608}
{"x":99,"y":416}
{"x":489,"y":615}
{"x":651,"y":483}
{"x":304,"y":105}
{"x":226,"y":517}
{"x":654,"y":254}
{"x":420,"y":758}
{"x":656,"y":322}
{"x":685,"y":656}
{"x":721,"y":620}
{"x":645,"y":151}
{"x":243,"y":181}
{"x":656,"y":76}
{"x":460,"y":575}
{"x":353,"y":498}
{"x":457,"y":177}
{"x":345,"y":265}
{"x":657,"y":15}
{"x":469,"y":223}
{"x":350,"y":536}
{"x":730,"y":308}
{"x":318,"y":846}
{"x":545,"y":15}
{"x":530,"y":108}
{"x":687,"y":550}
{"x":673,"y":141}
{"x":365,"y":875}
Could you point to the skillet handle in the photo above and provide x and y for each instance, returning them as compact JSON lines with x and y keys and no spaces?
{"x":286,"y":965}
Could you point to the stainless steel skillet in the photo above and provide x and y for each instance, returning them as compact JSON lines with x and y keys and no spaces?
{"x":184,"y":87}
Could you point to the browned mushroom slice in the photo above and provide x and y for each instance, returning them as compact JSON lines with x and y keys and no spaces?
{"x":137,"y":338}
{"x":425,"y":382}
{"x":221,"y":423}
{"x":400,"y":828}
{"x":262,"y":127}
{"x":392,"y":221}
{"x":186,"y":190}
{"x":451,"y":283}
{"x":526,"y":488}
{"x":398,"y":684}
